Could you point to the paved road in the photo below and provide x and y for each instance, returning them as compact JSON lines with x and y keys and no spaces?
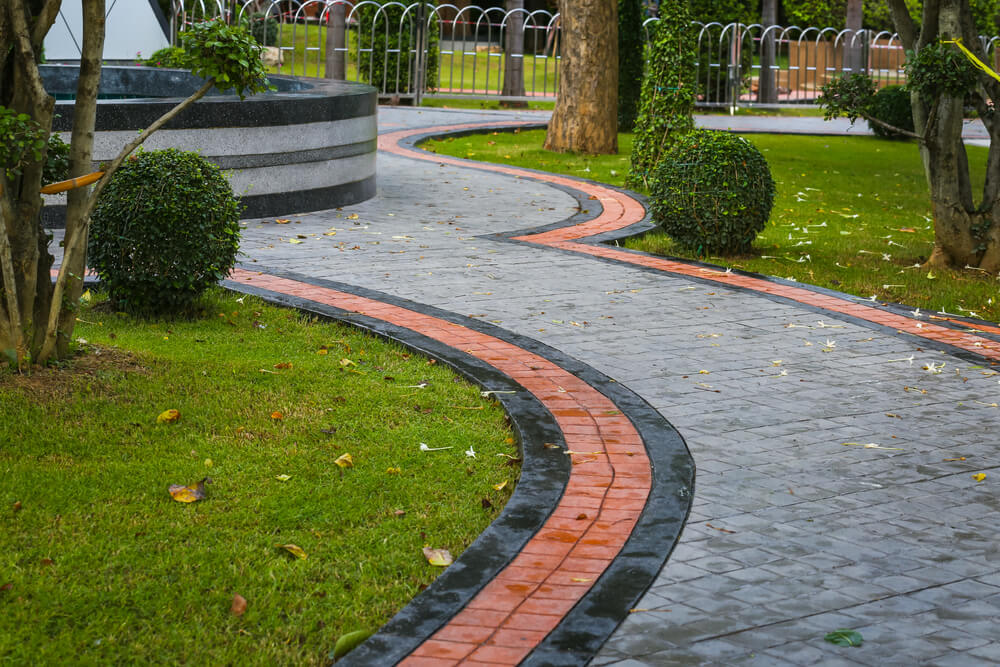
{"x":793,"y":533}
{"x":834,"y":481}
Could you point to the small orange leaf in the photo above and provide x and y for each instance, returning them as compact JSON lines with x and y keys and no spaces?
{"x":189,"y":494}
{"x":239,"y":605}
{"x":438,"y":557}
{"x":282,"y":221}
{"x":283,"y":365}
{"x":168,"y":416}
{"x":293,"y":549}
{"x":345,"y":461}
{"x":277,"y":416}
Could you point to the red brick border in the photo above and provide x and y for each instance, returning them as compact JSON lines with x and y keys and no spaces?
{"x":609,"y":483}
{"x":621,"y":210}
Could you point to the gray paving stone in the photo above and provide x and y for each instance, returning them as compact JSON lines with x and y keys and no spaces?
{"x":857,"y":523}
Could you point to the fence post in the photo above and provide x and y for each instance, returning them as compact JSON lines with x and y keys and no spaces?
{"x":421,"y":60}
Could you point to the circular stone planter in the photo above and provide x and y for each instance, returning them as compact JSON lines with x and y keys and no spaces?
{"x":309,"y":145}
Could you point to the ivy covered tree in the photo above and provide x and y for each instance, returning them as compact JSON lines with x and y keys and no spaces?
{"x":942,"y":80}
{"x":37,"y":317}
{"x":630,"y":62}
{"x":668,"y":91}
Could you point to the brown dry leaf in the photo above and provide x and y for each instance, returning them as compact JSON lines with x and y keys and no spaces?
{"x":581,"y":517}
{"x":721,"y":530}
{"x":345,"y":461}
{"x":293,"y":549}
{"x":277,"y":416}
{"x":17,"y":505}
{"x":239,"y":605}
{"x":168,"y":416}
{"x":189,"y":494}
{"x":438,"y":557}
{"x":283,"y":365}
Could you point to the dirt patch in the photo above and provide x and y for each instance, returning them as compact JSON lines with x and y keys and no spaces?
{"x":96,"y":366}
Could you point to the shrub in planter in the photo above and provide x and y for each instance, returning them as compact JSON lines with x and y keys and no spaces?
{"x":891,"y":105}
{"x":165,"y":229}
{"x":712,"y":193}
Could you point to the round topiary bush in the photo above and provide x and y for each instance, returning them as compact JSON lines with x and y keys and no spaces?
{"x":164,"y":229}
{"x":892,"y":105}
{"x":712,"y":193}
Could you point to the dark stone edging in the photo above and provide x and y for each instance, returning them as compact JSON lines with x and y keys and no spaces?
{"x":589,"y":624}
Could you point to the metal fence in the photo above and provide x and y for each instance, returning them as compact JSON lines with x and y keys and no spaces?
{"x":416,"y":50}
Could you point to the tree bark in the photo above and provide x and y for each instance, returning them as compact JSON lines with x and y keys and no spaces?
{"x":513,"y":50}
{"x":336,"y":42}
{"x":854,"y":44}
{"x":586,"y":115}
{"x":767,"y":89}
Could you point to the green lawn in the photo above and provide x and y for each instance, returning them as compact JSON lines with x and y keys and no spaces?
{"x":851,"y":214}
{"x":99,"y":565}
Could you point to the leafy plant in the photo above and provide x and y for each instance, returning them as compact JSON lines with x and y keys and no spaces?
{"x":21,"y":140}
{"x":56,"y":160}
{"x":891,"y":105}
{"x":165,"y":229}
{"x":172,"y":57}
{"x":712,"y":193}
{"x":387,"y":30}
{"x":226,"y":53}
{"x":630,"y":62}
{"x":668,"y":92}
{"x":264,"y":29}
{"x":938,"y":69}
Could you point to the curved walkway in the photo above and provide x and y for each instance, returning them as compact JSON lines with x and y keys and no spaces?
{"x":834,"y":483}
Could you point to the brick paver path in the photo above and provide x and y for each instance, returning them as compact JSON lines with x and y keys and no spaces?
{"x":835,"y":472}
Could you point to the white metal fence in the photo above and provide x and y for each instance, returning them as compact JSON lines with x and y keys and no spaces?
{"x":416,"y":50}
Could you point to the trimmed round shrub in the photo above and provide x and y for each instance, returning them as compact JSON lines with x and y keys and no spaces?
{"x":891,"y":105}
{"x":264,"y":29}
{"x":712,"y":193}
{"x":164,"y":229}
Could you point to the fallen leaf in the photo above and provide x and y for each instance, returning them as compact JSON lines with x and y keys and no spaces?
{"x":17,"y":505}
{"x":239,"y":605}
{"x":347,"y":362}
{"x":293,"y":549}
{"x":960,"y":458}
{"x":282,"y":478}
{"x":168,"y":416}
{"x":844,"y":637}
{"x":322,"y":351}
{"x":581,"y":517}
{"x":500,"y":486}
{"x":485,"y":502}
{"x":580,"y":580}
{"x":348,"y":642}
{"x":400,"y":512}
{"x":345,"y":461}
{"x":721,"y":530}
{"x":277,"y":416}
{"x":208,"y":463}
{"x":392,"y":471}
{"x":979,"y":476}
{"x":294,"y":241}
{"x":189,"y":494}
{"x":438,"y":557}
{"x":282,"y":221}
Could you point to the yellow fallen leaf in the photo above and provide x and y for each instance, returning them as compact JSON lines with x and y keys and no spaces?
{"x":345,"y":461}
{"x":282,"y":221}
{"x":438,"y":557}
{"x":392,"y":471}
{"x":322,"y":351}
{"x":979,"y":476}
{"x":500,"y":486}
{"x":580,"y":580}
{"x":294,"y":241}
{"x":282,"y":478}
{"x":86,"y":297}
{"x":277,"y":416}
{"x":352,"y":216}
{"x":208,"y":463}
{"x":347,"y":362}
{"x":168,"y":416}
{"x":189,"y":494}
{"x":293,"y":549}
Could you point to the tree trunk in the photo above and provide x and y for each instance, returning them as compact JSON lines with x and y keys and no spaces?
{"x":586,"y":114}
{"x":854,"y":44}
{"x":767,"y":89}
{"x":336,"y":42}
{"x":513,"y":50}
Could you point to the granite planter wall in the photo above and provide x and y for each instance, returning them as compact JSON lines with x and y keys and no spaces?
{"x":307,"y":146}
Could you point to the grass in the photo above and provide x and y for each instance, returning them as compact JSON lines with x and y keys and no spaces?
{"x":98,"y":565}
{"x":851,"y":214}
{"x":462,"y":72}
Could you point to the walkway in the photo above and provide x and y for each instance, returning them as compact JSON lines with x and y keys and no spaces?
{"x":834,"y":483}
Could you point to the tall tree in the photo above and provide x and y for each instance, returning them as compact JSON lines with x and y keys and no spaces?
{"x":585,"y":119}
{"x":336,"y":41}
{"x":854,"y":44}
{"x":767,"y":90}
{"x":941,"y":80}
{"x":37,"y":317}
